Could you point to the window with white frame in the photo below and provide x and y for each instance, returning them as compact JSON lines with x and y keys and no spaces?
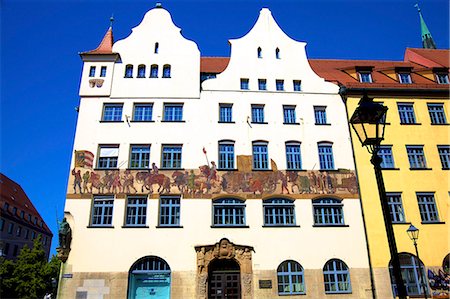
{"x":320,"y":115}
{"x":225,"y":113}
{"x":387,"y":159}
{"x":92,"y":71}
{"x":173,"y":112}
{"x":108,"y":156}
{"x":262,"y":84}
{"x":442,"y":78}
{"x":260,"y":155}
{"x":297,"y":85}
{"x":406,"y":113}
{"x":328,"y":211}
{"x":427,"y":207}
{"x":258,"y":114}
{"x":244,"y":84}
{"x":437,"y":114}
{"x":143,"y":112}
{"x":279,"y":84}
{"x":112,"y":112}
{"x":416,"y":156}
{"x":169,"y":211}
{"x":279,"y":212}
{"x":326,"y":160}
{"x":228,"y":212}
{"x":102,"y":211}
{"x":365,"y":76}
{"x":140,"y":156}
{"x":103,"y":71}
{"x":136,"y":211}
{"x":293,"y":156}
{"x":410,"y":267}
{"x":395,"y":207}
{"x":171,"y":156}
{"x":404,"y":78}
{"x":336,"y":277}
{"x":289,"y":114}
{"x":444,"y":155}
{"x":290,"y":278}
{"x":226,"y":154}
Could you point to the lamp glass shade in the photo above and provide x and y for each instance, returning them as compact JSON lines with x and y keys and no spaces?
{"x":413,"y":232}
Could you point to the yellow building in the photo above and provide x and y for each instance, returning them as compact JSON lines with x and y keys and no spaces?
{"x":415,"y":160}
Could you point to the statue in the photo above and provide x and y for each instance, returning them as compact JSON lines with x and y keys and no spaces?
{"x":65,"y":234}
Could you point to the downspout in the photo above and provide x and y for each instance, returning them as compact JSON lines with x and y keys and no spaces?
{"x":343,"y":94}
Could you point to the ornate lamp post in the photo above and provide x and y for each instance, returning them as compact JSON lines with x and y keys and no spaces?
{"x":368,"y":121}
{"x":413,"y":233}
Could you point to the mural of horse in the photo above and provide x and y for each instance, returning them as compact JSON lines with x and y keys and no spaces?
{"x":160,"y":179}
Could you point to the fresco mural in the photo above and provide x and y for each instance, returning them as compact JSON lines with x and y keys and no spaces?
{"x":439,"y":283}
{"x":205,"y":180}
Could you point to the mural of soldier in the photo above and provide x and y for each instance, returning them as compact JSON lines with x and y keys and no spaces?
{"x":86,"y":177}
{"x":76,"y":181}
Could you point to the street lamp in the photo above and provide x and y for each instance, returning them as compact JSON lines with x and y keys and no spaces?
{"x":368,"y":121}
{"x":413,"y":233}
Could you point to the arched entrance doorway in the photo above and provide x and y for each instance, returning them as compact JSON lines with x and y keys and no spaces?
{"x":149,"y":278}
{"x":224,"y":279}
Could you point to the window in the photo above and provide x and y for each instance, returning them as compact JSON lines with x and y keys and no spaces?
{"x":326,"y":156}
{"x":262,"y":84}
{"x":442,"y":78}
{"x":102,"y":211}
{"x":404,"y":78}
{"x":229,"y":212}
{"x":92,"y":71}
{"x":437,"y":114}
{"x":107,"y":156}
{"x":259,"y":53}
{"x":2,"y":224}
{"x":244,"y":84}
{"x":22,"y":214}
{"x":166,"y":71}
{"x":14,"y":211}
{"x":15,"y":250}
{"x":6,"y":206}
{"x":173,"y":112}
{"x":10,"y":228}
{"x":293,"y":156}
{"x":171,"y":156}
{"x":365,"y":77}
{"x":416,"y":156}
{"x":336,"y":277}
{"x":385,"y":153}
{"x":156,"y":48}
{"x":225,"y":113}
{"x":18,"y":231}
{"x":129,"y":71}
{"x":395,"y":207}
{"x":258,"y":114}
{"x":320,"y":115}
{"x":279,"y":212}
{"x":444,"y":155}
{"x":6,"y":250}
{"x":140,"y":156}
{"x":103,"y":71}
{"x":427,"y":207}
{"x":328,"y":211}
{"x":154,"y":71}
{"x":260,"y":156}
{"x":277,"y":53}
{"x":290,"y":278}
{"x":33,"y":235}
{"x":169,"y":211}
{"x":297,"y":85}
{"x":143,"y":112}
{"x":226,"y":155}
{"x":289,"y":114}
{"x":410,"y":269}
{"x":112,"y":112}
{"x":406,"y":112}
{"x":136,"y":211}
{"x":27,"y":232}
{"x":141,"y":71}
{"x":279,"y":84}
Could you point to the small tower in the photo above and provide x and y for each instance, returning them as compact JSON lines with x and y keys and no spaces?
{"x":427,"y":39}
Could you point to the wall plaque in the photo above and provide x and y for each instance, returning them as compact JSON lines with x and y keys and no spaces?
{"x":265,"y":284}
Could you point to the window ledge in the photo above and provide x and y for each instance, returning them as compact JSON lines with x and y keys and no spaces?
{"x":421,"y":169}
{"x":169,"y":226}
{"x":227,"y":169}
{"x":400,"y":223}
{"x":337,"y":293}
{"x":135,"y":226}
{"x":261,"y":169}
{"x":99,"y":169}
{"x":166,"y":77}
{"x":230,"y":226}
{"x":390,"y":168}
{"x":445,"y":168}
{"x":444,"y":124}
{"x":411,"y":124}
{"x":259,"y":123}
{"x":226,"y":122}
{"x":291,"y":123}
{"x":163,"y":168}
{"x":329,"y":170}
{"x":330,"y":225}
{"x":139,"y":168}
{"x":142,"y":121}
{"x":318,"y":124}
{"x":280,"y":225}
{"x":297,"y":170}
{"x":173,"y":121}
{"x":436,"y":222}
{"x":100,"y":226}
{"x":111,"y":121}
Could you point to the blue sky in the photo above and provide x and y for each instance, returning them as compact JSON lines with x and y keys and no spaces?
{"x":40,"y":67}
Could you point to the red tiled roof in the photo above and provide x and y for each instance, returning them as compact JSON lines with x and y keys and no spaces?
{"x":213,"y":64}
{"x":106,"y":44}
{"x":13,"y":194}
{"x":428,"y":57}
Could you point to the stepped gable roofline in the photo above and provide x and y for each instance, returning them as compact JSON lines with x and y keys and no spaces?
{"x":13,"y":194}
{"x":213,"y":64}
{"x":105,"y":46}
{"x":431,"y":58}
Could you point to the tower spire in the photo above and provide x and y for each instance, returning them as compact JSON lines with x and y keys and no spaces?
{"x":427,"y":39}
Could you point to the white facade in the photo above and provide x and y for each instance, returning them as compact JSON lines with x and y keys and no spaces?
{"x":98,"y":253}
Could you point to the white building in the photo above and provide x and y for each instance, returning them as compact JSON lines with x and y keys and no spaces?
{"x":276,"y":214}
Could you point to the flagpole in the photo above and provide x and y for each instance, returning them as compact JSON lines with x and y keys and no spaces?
{"x":204,"y":151}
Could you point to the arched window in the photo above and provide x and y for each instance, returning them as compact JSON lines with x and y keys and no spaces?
{"x":156,"y":48}
{"x":293,"y":156}
{"x":446,"y":264}
{"x":141,"y":71}
{"x":129,"y":71}
{"x":226,"y":154}
{"x":149,"y":273}
{"x":279,"y":212}
{"x":328,"y":211}
{"x":336,"y":277}
{"x":326,"y":160}
{"x":260,"y":155}
{"x":228,"y":212}
{"x":277,"y":53}
{"x":166,"y":71}
{"x":154,"y":71}
{"x":259,"y":52}
{"x":410,"y":267}
{"x":290,"y":278}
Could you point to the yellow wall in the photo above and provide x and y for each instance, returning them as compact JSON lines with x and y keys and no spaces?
{"x":433,"y":243}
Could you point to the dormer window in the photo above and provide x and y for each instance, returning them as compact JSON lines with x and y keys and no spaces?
{"x":156,"y":48}
{"x":259,"y":52}
{"x":277,"y":53}
{"x":129,"y":71}
{"x":365,"y":76}
{"x":404,"y":78}
{"x":92,"y":71}
{"x":442,"y":78}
